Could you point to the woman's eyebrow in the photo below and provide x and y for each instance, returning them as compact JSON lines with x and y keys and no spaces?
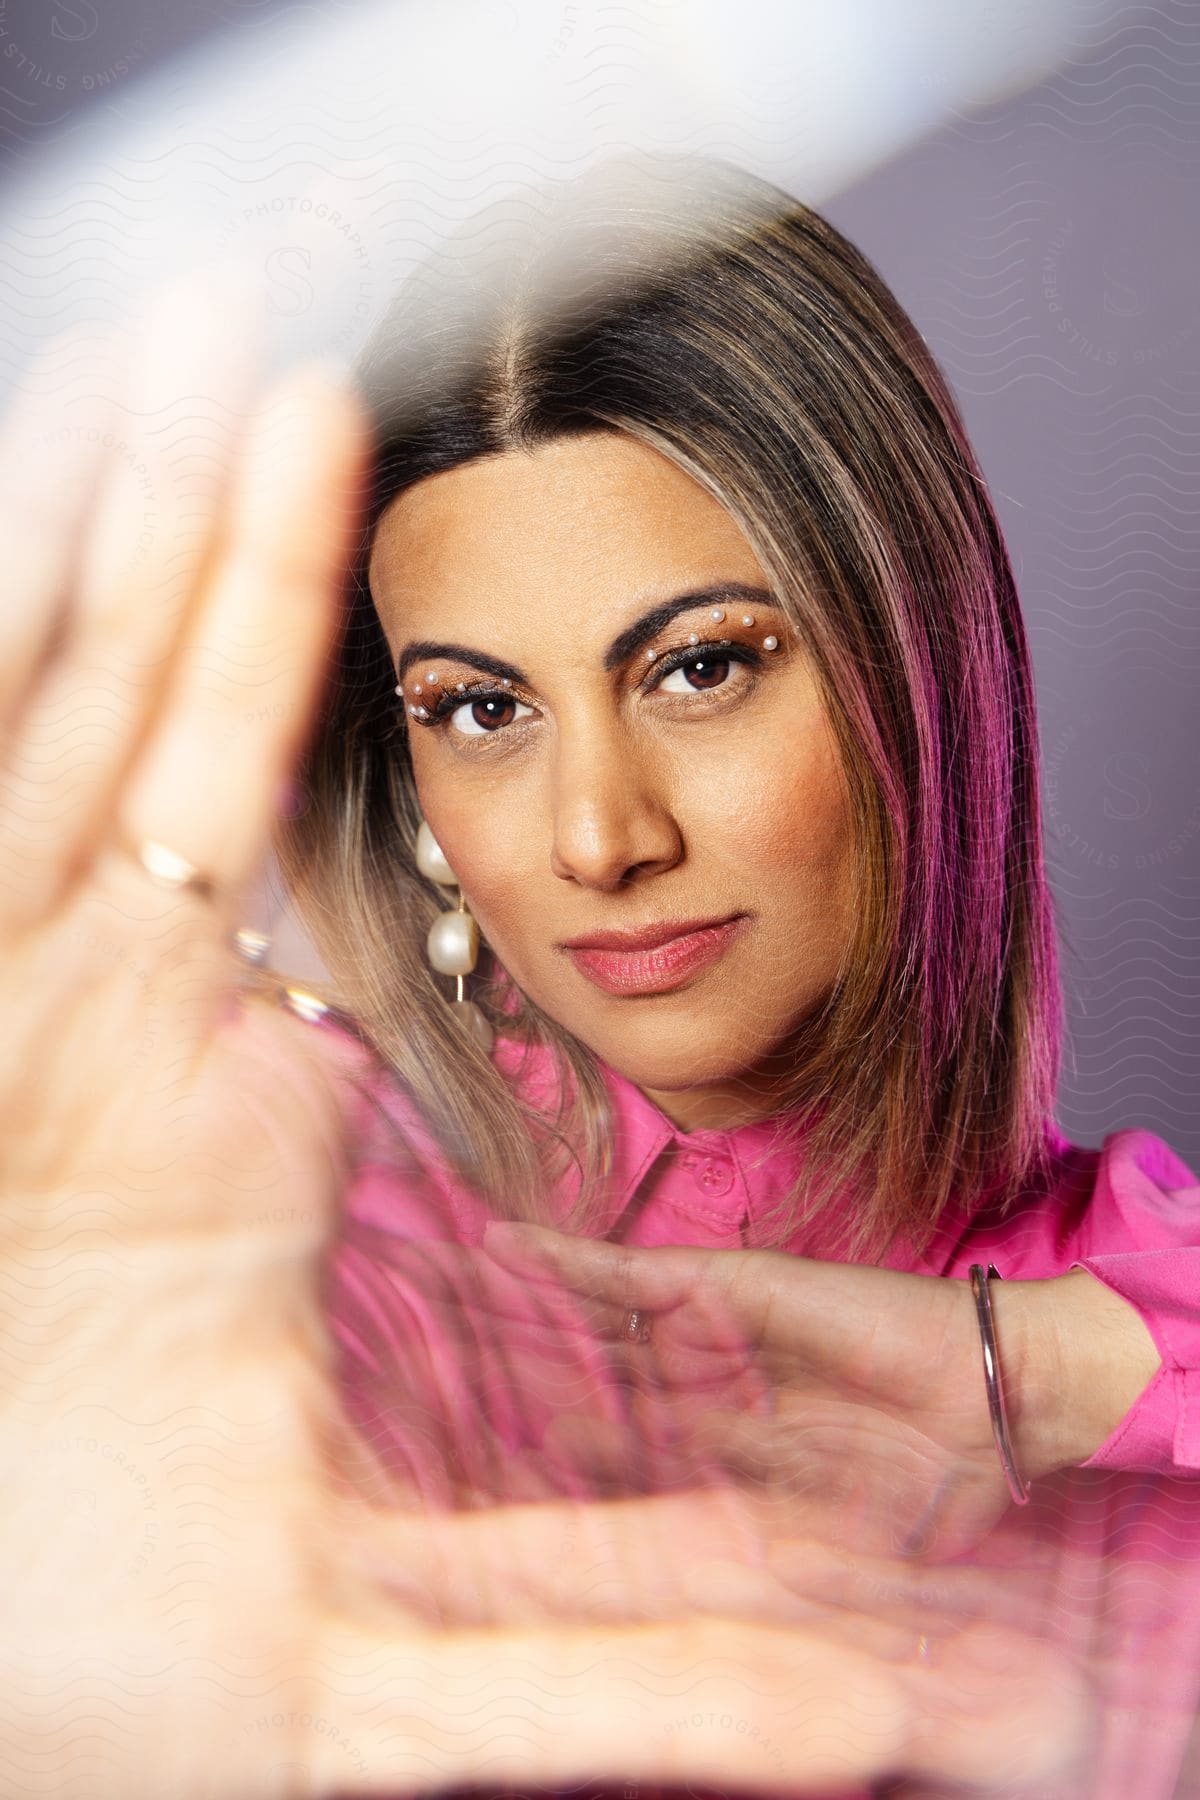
{"x":425,"y":651}
{"x":726,"y":593}
{"x":623,"y":646}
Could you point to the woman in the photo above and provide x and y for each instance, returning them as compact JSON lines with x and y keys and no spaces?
{"x":684,"y":658}
{"x":199,"y":1595}
{"x":196,"y":1579}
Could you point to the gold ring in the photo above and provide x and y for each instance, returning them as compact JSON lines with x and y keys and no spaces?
{"x":168,"y":869}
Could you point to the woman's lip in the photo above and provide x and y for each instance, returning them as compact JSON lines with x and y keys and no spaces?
{"x":657,"y":970}
{"x":646,"y":937}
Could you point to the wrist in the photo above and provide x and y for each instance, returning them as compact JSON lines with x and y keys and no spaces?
{"x":1075,"y":1356}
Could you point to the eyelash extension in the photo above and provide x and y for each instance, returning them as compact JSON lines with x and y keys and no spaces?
{"x":452,"y":700}
{"x":724,"y":648}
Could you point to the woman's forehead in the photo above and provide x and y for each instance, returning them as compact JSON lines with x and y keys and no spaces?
{"x":583,"y":525}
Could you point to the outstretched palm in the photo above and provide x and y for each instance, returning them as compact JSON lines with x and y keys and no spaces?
{"x":856,"y":1393}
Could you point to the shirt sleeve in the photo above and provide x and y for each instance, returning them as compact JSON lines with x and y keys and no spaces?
{"x":1145,"y":1211}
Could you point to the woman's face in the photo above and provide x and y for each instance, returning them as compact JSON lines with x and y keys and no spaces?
{"x":589,"y":767}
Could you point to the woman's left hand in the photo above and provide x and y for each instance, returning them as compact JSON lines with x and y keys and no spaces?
{"x":856,"y":1391}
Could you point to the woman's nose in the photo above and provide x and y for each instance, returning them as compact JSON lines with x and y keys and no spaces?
{"x":612,"y":820}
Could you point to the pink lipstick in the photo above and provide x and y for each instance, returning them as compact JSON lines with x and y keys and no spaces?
{"x":656,"y":958}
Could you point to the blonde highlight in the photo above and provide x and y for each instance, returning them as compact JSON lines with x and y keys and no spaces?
{"x":739,"y":333}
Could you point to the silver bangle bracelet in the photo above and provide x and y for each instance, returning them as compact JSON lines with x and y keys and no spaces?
{"x":1018,"y":1488}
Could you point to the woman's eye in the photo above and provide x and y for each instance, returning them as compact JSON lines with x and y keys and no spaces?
{"x":487,"y":713}
{"x":693,"y":677}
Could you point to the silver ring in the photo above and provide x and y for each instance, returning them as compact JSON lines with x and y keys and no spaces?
{"x":250,"y":945}
{"x":636,"y":1329}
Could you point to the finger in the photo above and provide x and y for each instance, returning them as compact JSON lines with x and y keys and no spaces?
{"x":999,"y":1708}
{"x":555,"y":1554}
{"x":703,"y":1700}
{"x":524,"y":1563}
{"x":161,"y":484}
{"x":715,"y":1549}
{"x":687,"y":1286}
{"x":487,"y":1362}
{"x":710,"y":1550}
{"x":762,"y":1301}
{"x":547,"y":1336}
{"x":558,"y":1706}
{"x":708,"y":1315}
{"x":51,"y":446}
{"x":620,"y":1417}
{"x":240,"y":699}
{"x":623,"y":1275}
{"x":709,"y":1553}
{"x":251,"y":663}
{"x":546,"y":1321}
{"x":1018,"y":1595}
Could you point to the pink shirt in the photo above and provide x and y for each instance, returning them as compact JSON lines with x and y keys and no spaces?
{"x":1125,"y":1586}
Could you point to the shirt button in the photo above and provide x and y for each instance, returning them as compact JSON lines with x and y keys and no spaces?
{"x":713,"y":1177}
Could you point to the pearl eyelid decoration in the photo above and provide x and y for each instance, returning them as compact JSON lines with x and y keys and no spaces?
{"x":420,"y":712}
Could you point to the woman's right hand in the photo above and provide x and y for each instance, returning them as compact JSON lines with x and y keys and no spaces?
{"x":172,"y":556}
{"x":171,"y":1156}
{"x":197,"y":1600}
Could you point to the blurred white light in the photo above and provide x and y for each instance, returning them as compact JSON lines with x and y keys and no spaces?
{"x":330,"y":154}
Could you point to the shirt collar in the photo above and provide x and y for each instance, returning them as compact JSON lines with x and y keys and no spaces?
{"x":766,"y":1152}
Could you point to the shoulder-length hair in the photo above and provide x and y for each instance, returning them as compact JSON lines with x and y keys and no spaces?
{"x":712,"y":316}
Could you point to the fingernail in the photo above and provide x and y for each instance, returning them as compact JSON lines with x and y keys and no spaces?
{"x":518,"y":1244}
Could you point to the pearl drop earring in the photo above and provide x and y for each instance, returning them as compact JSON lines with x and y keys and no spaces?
{"x":453,"y":941}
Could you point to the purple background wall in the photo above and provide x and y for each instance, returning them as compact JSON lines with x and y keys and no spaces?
{"x":1048,"y":249}
{"x":1050,"y":253}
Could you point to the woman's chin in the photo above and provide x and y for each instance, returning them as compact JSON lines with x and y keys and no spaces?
{"x":664,"y":1062}
{"x":736,"y":1061}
